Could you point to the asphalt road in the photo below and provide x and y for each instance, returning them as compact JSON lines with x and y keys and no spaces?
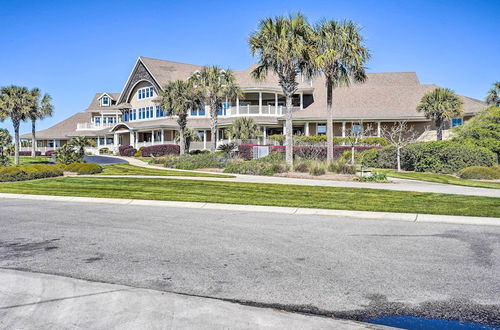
{"x":344,"y":267}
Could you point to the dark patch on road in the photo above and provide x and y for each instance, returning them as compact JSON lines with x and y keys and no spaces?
{"x":23,"y":249}
{"x":92,"y":259}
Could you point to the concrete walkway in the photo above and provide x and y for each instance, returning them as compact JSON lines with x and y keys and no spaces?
{"x":398,"y":185}
{"x":39,"y":301}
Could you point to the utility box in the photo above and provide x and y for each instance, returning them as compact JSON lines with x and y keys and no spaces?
{"x":260,"y":151}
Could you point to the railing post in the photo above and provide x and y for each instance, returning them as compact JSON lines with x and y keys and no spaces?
{"x":343,"y":129}
{"x":379,"y":129}
{"x":260,"y":103}
{"x":276,"y":103}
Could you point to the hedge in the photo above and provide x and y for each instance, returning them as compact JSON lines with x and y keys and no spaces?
{"x":193,"y":162}
{"x":161,"y":150}
{"x":83,"y":168}
{"x":480,"y":173}
{"x":49,"y":153}
{"x":28,"y":153}
{"x":318,"y":152}
{"x":29,"y":172}
{"x":127,"y":151}
{"x":321,"y":139}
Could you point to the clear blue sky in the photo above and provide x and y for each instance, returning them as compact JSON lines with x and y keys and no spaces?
{"x":73,"y":49}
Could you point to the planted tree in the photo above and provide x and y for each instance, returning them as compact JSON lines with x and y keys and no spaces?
{"x":440,"y":104}
{"x":493,"y":97}
{"x":40,"y":109}
{"x":341,"y":57}
{"x":190,"y":135}
{"x":80,"y":143}
{"x":244,"y":129}
{"x":216,"y":87}
{"x":399,"y":135}
{"x":285,"y":46}
{"x":179,"y":98}
{"x":15,"y":103}
{"x":67,"y":155}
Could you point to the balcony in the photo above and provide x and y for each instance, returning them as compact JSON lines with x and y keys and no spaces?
{"x":256,"y":110}
{"x":93,"y":126}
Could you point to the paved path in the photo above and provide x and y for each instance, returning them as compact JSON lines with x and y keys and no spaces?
{"x":103,"y":160}
{"x":400,"y":184}
{"x":40,"y":301}
{"x":326,"y":265}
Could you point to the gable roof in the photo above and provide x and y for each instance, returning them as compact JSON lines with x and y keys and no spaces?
{"x":62,"y":129}
{"x":95,"y":104}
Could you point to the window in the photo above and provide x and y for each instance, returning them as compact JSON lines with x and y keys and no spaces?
{"x":456,"y":122}
{"x":150,"y":112}
{"x":97,"y":120}
{"x":201,"y":134}
{"x":321,"y":129}
{"x":159,"y":112}
{"x":105,"y":101}
{"x":356,"y":129}
{"x":144,"y":93}
{"x":125,"y":116}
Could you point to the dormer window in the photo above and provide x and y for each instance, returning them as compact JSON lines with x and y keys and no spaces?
{"x":145,"y":93}
{"x":105,"y":101}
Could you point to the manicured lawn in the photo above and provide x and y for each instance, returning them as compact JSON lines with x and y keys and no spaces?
{"x":261,"y":194}
{"x":440,"y":178}
{"x":127,"y":169}
{"x":28,"y":160}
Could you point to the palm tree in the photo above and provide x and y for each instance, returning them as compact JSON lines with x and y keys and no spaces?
{"x":40,"y":109}
{"x":244,"y":128}
{"x":341,"y":57}
{"x":440,"y":104}
{"x":80,"y":143}
{"x":285,"y":46}
{"x":15,"y":103}
{"x":216,"y":86}
{"x":180,"y":97}
{"x":190,"y":135}
{"x":493,"y":97}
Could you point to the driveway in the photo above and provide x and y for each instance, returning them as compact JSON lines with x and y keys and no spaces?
{"x":103,"y":160}
{"x":349,"y":268}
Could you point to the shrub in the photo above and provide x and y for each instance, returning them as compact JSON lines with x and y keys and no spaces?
{"x":269,"y":165}
{"x":49,"y":153}
{"x":316,"y":169}
{"x":318,"y":152}
{"x":4,"y":161}
{"x":342,"y":167}
{"x":197,"y":152}
{"x":28,"y":153}
{"x":301,"y":166}
{"x":130,"y":152}
{"x":160,"y":150}
{"x":138,"y":153}
{"x":104,"y":151}
{"x":245,"y":151}
{"x":67,"y":155}
{"x":29,"y":172}
{"x":192,"y":162}
{"x":480,"y":173}
{"x":122,"y":150}
{"x":375,"y":177}
{"x":228,"y":148}
{"x":84,"y":168}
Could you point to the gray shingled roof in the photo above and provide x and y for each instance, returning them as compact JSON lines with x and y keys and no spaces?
{"x":62,"y":129}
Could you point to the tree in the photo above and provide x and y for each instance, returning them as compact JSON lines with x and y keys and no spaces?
{"x":244,"y":128}
{"x":399,"y":135}
{"x":15,"y":103}
{"x":285,"y":46}
{"x":216,"y":87}
{"x":67,"y":155}
{"x":190,"y":135}
{"x":80,"y":143}
{"x":179,"y":98}
{"x":341,"y":57}
{"x":483,"y":130}
{"x":5,"y":139}
{"x":493,"y":97}
{"x":355,"y":137}
{"x":440,"y":104}
{"x":40,"y":109}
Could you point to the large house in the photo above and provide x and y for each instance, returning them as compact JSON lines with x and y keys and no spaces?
{"x":131,"y":117}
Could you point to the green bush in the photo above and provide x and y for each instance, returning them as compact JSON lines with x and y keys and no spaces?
{"x":83,"y":168}
{"x":29,"y":172}
{"x":480,"y":173}
{"x":4,"y":161}
{"x":67,"y":155}
{"x":380,"y":158}
{"x":301,"y":166}
{"x":342,"y":167}
{"x":193,"y":162}
{"x":197,"y":152}
{"x":375,"y":177}
{"x":269,"y":165}
{"x":317,"y":169}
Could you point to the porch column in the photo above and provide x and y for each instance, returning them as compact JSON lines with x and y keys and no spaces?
{"x":379,"y":129}
{"x":343,"y":129}
{"x":260,"y":103}
{"x":152,"y":137}
{"x":306,"y":129}
{"x":102,"y":120}
{"x":98,"y":142}
{"x":162,"y":136}
{"x":131,"y":138}
{"x":115,"y":141}
{"x":116,"y":119}
{"x":237,"y":105}
{"x":204,"y":139}
{"x":284,"y":127}
{"x":54,"y":144}
{"x":301,"y":100}
{"x":264,"y":135}
{"x":276,"y":102}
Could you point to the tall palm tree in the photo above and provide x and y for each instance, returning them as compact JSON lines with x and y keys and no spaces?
{"x":216,"y":87}
{"x":40,"y":109}
{"x":493,"y":97}
{"x":80,"y":143}
{"x":341,"y":57}
{"x":179,"y":98}
{"x":285,"y":46}
{"x":244,"y":128}
{"x":439,"y":105}
{"x":15,"y":103}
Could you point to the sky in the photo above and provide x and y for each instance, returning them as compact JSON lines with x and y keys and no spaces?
{"x":74,"y":49}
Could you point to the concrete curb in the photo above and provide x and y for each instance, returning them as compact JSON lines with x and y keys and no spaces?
{"x":368,"y":215}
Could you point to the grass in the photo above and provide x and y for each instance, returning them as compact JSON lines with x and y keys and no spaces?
{"x":440,"y":178}
{"x":261,"y":194}
{"x":127,"y":169}
{"x":28,"y":160}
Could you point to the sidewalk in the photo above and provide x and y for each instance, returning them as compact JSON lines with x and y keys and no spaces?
{"x":39,"y":301}
{"x":399,"y":184}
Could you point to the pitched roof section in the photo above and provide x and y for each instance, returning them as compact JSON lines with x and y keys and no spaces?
{"x":95,"y":104}
{"x":62,"y":129}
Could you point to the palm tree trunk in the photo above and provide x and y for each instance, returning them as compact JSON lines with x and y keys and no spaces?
{"x":289,"y":130}
{"x":439,"y":129}
{"x":182,"y":140}
{"x":33,"y":138}
{"x":213,"y":127}
{"x":329,"y":121}
{"x":16,"y":142}
{"x":398,"y":156}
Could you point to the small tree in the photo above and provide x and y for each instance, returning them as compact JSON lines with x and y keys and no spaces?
{"x":244,"y":129}
{"x":440,"y":104}
{"x":399,"y":135}
{"x":355,"y":135}
{"x":80,"y":143}
{"x":493,"y":97}
{"x":5,"y":139}
{"x":67,"y":155}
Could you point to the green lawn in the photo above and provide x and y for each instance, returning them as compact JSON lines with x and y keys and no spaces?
{"x":28,"y":160}
{"x":440,"y":178}
{"x":261,"y":194}
{"x":127,"y":169}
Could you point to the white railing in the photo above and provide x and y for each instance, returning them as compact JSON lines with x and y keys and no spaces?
{"x":255,"y":110}
{"x":93,"y":126}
